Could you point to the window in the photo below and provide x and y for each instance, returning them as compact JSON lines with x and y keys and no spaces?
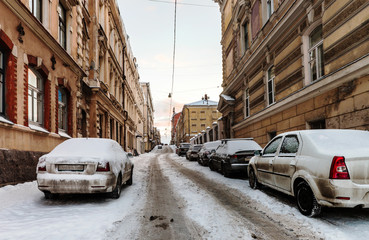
{"x":272,"y":147}
{"x":319,"y":124}
{"x":62,"y":26}
{"x":62,"y":109}
{"x":35,"y":97}
{"x":316,"y":54}
{"x":35,"y":7}
{"x":2,"y":83}
{"x":270,"y":8}
{"x":290,"y":144}
{"x":271,"y":135}
{"x":271,"y":85}
{"x":245,"y":36}
{"x":247,"y":103}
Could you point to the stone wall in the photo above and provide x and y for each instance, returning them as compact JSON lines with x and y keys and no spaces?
{"x":18,"y":166}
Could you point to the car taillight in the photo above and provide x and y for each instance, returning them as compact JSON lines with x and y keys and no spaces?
{"x":103,"y":167}
{"x":339,"y":169}
{"x":42,"y":169}
{"x":233,"y":157}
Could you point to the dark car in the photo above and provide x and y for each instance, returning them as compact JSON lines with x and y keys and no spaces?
{"x":193,"y":152}
{"x":183,"y":148}
{"x":233,"y":155}
{"x":205,"y":152}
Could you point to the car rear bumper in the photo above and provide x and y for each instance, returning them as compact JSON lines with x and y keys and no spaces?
{"x":76,"y":183}
{"x":345,"y":193}
{"x":238,"y":167}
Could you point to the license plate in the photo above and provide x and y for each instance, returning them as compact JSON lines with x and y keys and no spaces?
{"x":70,"y":167}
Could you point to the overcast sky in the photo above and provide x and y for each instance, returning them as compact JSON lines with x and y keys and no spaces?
{"x":198,"y":64}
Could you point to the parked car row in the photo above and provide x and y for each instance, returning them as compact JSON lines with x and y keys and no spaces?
{"x":320,"y":168}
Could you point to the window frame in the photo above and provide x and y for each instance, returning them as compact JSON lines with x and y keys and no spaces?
{"x":39,"y":89}
{"x":63,"y":108}
{"x":270,"y":8}
{"x":317,"y":48}
{"x":247,"y":103}
{"x":32,"y":9}
{"x":270,"y":82}
{"x":62,"y":25}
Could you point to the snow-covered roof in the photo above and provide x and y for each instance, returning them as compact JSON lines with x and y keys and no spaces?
{"x":203,"y":103}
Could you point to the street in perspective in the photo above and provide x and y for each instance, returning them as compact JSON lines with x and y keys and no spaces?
{"x":184,"y":119}
{"x":172,"y":198}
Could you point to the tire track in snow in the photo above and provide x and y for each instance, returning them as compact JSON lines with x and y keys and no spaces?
{"x":262,"y":225}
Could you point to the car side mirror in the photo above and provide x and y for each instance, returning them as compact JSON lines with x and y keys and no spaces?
{"x":258,"y":153}
{"x":130,"y":155}
{"x":213,"y":151}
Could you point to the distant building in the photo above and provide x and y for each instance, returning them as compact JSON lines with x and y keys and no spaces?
{"x":196,"y":117}
{"x":293,"y":64}
{"x":174,"y":123}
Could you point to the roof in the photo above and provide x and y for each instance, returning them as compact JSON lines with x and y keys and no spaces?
{"x":203,"y":103}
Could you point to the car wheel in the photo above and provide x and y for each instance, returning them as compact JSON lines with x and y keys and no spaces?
{"x":49,"y":195}
{"x":116,"y":192}
{"x":225,"y":171}
{"x":253,"y":181}
{"x":211,"y":166}
{"x":130,"y":180}
{"x":306,"y":201}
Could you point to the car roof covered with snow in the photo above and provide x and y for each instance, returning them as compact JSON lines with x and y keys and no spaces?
{"x":231,"y":146}
{"x":337,"y":142}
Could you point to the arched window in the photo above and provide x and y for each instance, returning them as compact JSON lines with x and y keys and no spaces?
{"x":62,"y":109}
{"x":316,"y":53}
{"x":35,"y":97}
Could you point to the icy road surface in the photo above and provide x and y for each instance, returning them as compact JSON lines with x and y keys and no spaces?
{"x":172,"y":198}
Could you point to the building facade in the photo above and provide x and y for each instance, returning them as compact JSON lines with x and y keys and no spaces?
{"x":196,"y":117}
{"x":148,"y":114}
{"x":293,"y":65}
{"x":66,"y":70}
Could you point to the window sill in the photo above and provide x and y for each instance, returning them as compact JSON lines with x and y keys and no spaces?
{"x":64,"y":134}
{"x":38,"y":128}
{"x":4,"y":120}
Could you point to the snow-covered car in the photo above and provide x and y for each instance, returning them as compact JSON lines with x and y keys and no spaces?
{"x":233,"y":155}
{"x":319,"y":167}
{"x":193,"y":152}
{"x":206,"y":150}
{"x":84,"y":165}
{"x":183,"y":148}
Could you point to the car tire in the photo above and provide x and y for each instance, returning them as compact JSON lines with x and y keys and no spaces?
{"x":49,"y":195}
{"x":306,"y":201}
{"x":118,"y":188}
{"x":211,"y":166}
{"x":253,"y":181}
{"x":226,"y":173}
{"x":130,"y":180}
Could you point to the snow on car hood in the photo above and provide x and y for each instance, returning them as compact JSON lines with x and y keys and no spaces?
{"x":87,"y":150}
{"x":348,"y":143}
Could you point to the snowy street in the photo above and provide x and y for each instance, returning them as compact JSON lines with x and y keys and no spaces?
{"x":172,"y":198}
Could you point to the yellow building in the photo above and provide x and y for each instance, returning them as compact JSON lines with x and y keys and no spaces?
{"x":293,"y":65}
{"x":196,"y":117}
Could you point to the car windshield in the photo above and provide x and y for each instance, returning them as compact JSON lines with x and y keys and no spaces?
{"x":197,"y":147}
{"x":185,"y":145}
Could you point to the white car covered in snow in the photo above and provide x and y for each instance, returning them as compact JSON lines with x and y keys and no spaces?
{"x":84,"y":165}
{"x":319,"y":167}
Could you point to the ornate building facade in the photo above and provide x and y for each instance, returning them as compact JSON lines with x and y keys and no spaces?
{"x":66,"y":70}
{"x":291,"y":65}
